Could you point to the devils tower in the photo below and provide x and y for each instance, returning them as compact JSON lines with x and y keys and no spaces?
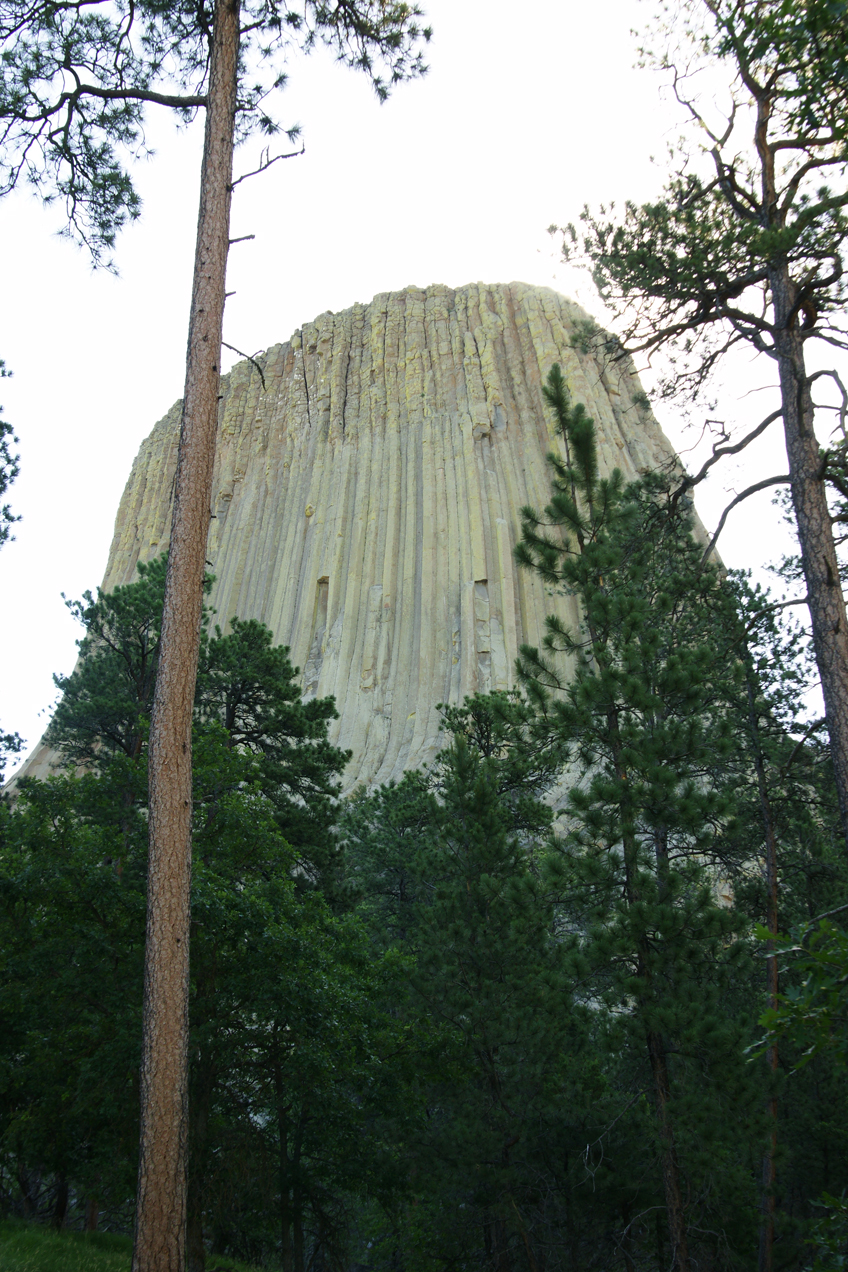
{"x":368,"y":482}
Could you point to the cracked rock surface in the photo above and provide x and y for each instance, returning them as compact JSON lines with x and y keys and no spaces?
{"x":366,"y":500}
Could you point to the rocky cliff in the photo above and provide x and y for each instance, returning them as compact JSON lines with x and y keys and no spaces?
{"x":367,"y":496}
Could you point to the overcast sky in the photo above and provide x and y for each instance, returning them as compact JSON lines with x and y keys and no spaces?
{"x":526,"y":114}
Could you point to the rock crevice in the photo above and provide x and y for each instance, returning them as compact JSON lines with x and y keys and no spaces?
{"x":366,"y":502}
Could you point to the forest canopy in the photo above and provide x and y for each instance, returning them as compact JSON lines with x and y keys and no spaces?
{"x":508,"y":1012}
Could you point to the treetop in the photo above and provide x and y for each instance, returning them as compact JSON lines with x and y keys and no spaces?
{"x":76,"y":82}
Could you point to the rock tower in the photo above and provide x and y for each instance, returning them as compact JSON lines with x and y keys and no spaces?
{"x":367,"y":496}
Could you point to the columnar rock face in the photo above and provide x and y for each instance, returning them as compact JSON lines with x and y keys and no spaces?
{"x":367,"y":497}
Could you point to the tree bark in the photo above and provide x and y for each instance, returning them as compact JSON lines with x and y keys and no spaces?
{"x":28,"y":1193}
{"x":815,"y":532}
{"x":765,"y":1258}
{"x":60,"y":1206}
{"x":298,"y":1242}
{"x":200,"y":1106}
{"x":806,"y":470}
{"x":286,"y":1247}
{"x":627,"y":1238}
{"x":496,"y":1244}
{"x":656,"y":1047}
{"x":159,"y":1244}
{"x":670,"y":1166}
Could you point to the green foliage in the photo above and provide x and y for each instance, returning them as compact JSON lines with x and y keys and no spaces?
{"x":692,"y":271}
{"x":813,"y":1010}
{"x":309,"y":1049}
{"x":247,"y":687}
{"x":648,"y":712}
{"x":489,"y":975}
{"x":646,"y":705}
{"x":10,"y":743}
{"x":779,"y":674}
{"x":515,"y":1158}
{"x":105,"y":706}
{"x":8,"y":469}
{"x":797,"y":782}
{"x":828,"y":1235}
{"x":286,"y":1071}
{"x":501,"y":1026}
{"x":76,"y":83}
{"x":72,"y":917}
{"x":805,"y":47}
{"x":247,"y":705}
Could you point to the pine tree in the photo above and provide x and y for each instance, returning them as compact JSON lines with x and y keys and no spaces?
{"x":75,"y":86}
{"x":448,"y":864}
{"x":72,"y":861}
{"x":10,"y":743}
{"x":746,"y":245}
{"x":648,"y":714}
{"x":8,"y":468}
{"x":72,"y":889}
{"x":247,"y":701}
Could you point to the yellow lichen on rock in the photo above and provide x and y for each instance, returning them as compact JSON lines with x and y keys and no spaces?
{"x":367,"y":500}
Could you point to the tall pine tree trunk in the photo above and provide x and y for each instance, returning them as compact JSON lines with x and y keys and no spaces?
{"x":656,"y":1047}
{"x":161,"y":1200}
{"x":60,"y":1206}
{"x":815,"y":529}
{"x":765,"y":1261}
{"x":670,"y":1164}
{"x":286,"y":1246}
{"x":200,"y":1101}
{"x":29,"y":1193}
{"x":299,"y":1241}
{"x":765,"y":1258}
{"x":818,"y":553}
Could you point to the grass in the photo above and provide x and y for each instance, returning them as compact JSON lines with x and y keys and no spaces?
{"x":28,"y":1247}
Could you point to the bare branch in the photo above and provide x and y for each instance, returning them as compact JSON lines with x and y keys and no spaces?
{"x":741,"y":200}
{"x":842,"y":409}
{"x":770,"y":609}
{"x":720,"y":451}
{"x":840,"y":909}
{"x":796,"y":751}
{"x":686,"y":103}
{"x":265,"y":163}
{"x":797,"y":177}
{"x":802,"y":143}
{"x":179,"y":101}
{"x":251,"y":360}
{"x":751,"y":490}
{"x":837,"y":341}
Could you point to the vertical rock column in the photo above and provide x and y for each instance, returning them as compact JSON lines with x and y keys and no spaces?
{"x":367,"y":500}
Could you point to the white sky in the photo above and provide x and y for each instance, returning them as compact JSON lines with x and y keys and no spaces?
{"x":525,"y":116}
